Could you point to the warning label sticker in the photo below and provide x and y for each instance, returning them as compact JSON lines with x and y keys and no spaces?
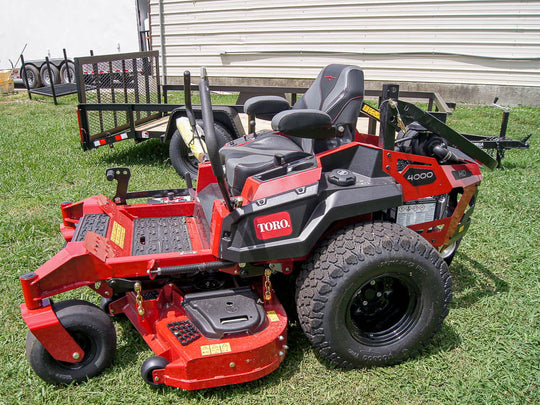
{"x":118,"y":234}
{"x":216,"y":349}
{"x":371,"y":111}
{"x":272,"y":316}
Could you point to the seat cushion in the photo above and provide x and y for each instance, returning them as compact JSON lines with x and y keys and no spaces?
{"x":263,"y":152}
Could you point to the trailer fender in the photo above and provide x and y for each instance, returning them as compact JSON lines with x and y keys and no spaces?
{"x":224,"y":115}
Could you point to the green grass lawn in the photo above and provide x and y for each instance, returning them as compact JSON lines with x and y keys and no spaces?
{"x":488,"y":350}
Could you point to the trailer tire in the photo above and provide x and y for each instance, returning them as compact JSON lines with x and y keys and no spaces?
{"x":93,"y":331}
{"x":372,"y":294}
{"x":70,"y":67}
{"x":181,"y":159}
{"x":44,"y":74}
{"x":32,"y":76}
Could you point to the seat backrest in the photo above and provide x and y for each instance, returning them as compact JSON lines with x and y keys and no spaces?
{"x":339,"y":92}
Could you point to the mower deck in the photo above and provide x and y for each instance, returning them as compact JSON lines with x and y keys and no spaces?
{"x":197,"y":361}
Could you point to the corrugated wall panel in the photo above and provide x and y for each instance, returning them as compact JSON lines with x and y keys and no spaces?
{"x":470,"y":42}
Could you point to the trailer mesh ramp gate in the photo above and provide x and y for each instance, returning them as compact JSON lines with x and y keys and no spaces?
{"x":108,"y":86}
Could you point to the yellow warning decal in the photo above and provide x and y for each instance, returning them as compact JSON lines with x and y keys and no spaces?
{"x":371,"y":111}
{"x":216,"y":349}
{"x":273,"y":316}
{"x":118,"y":234}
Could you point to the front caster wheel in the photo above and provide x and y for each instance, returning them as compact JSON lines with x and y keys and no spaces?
{"x":148,"y":367}
{"x":92,"y":330}
{"x":372,"y":294}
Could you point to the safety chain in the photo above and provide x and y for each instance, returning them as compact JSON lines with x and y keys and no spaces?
{"x":139,"y":298}
{"x":267,"y":285}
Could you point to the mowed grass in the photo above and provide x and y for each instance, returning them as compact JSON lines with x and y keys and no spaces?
{"x":488,"y":350}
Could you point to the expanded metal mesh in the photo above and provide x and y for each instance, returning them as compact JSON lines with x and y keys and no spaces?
{"x":115,"y":81}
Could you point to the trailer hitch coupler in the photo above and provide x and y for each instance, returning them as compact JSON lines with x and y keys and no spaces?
{"x":30,"y":290}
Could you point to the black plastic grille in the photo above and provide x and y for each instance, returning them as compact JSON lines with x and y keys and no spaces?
{"x":184,"y":331}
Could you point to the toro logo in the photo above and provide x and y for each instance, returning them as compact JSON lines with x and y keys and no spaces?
{"x":273,"y":225}
{"x":419,"y":177}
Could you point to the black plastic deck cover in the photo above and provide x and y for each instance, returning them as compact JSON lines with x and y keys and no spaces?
{"x":225,"y":312}
{"x":160,"y":235}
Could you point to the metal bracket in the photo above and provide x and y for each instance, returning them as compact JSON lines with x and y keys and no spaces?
{"x":121,"y":175}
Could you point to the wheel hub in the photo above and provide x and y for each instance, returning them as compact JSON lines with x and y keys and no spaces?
{"x":382,"y":309}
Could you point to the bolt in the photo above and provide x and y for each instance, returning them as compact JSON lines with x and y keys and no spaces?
{"x":76,"y":355}
{"x":388,"y":154}
{"x":281,"y":338}
{"x":387,"y":167}
{"x":156,"y":379}
{"x":364,"y":303}
{"x":379,"y":294}
{"x":281,"y":354}
{"x":372,"y":282}
{"x":285,"y":347}
{"x":171,"y":285}
{"x":232,"y":365}
{"x":106,"y":293}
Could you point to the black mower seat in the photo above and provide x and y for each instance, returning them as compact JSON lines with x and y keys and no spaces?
{"x":325,"y":117}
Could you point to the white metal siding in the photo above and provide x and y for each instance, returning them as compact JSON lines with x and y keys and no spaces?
{"x":468,"y":42}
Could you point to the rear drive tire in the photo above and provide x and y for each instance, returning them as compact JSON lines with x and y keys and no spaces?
{"x":372,"y":294}
{"x":181,"y":157}
{"x":92,"y":330}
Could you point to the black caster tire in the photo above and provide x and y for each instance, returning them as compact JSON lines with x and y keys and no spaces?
{"x":372,"y":294}
{"x":183,"y":160}
{"x":148,"y":367}
{"x":92,"y":330}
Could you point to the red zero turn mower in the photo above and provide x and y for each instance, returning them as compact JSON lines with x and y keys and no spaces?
{"x":366,"y":223}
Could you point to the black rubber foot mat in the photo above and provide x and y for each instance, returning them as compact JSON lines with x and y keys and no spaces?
{"x":160,"y":235}
{"x":97,"y":223}
{"x":184,"y":331}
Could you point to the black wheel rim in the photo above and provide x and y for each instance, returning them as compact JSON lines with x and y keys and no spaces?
{"x":383,"y":310}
